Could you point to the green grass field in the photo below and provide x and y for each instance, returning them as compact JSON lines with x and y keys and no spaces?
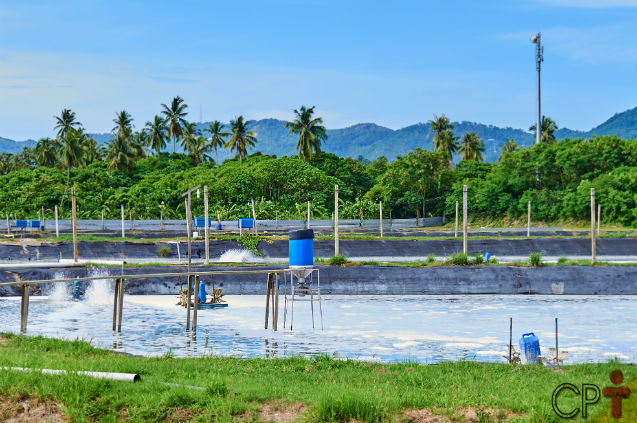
{"x":292,"y":389}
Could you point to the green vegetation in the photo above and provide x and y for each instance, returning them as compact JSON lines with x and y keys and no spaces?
{"x":337,"y":260}
{"x":535,"y":259}
{"x":459,"y":259}
{"x":317,"y":389}
{"x":164,"y":251}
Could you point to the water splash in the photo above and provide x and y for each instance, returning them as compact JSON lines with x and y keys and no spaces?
{"x":99,"y":291}
{"x":60,"y":292}
{"x":239,"y":256}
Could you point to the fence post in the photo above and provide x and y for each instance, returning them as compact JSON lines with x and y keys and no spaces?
{"x":115,"y":301}
{"x":254,"y":219}
{"x":102,"y":219}
{"x":74,"y":223}
{"x":120,"y":304}
{"x":189,"y":290}
{"x":43,"y":219}
{"x":206,"y":231}
{"x":308,"y":214}
{"x":123,"y":232}
{"x":593,"y":245}
{"x":161,"y":219}
{"x":276,"y":220}
{"x":380,"y":210}
{"x":57,"y":227}
{"x":9,"y":223}
{"x":455,"y":232}
{"x":130,"y":216}
{"x":335,"y":220}
{"x":464,"y":219}
{"x":196,"y":304}
{"x":599,"y":217}
{"x":528,"y":221}
{"x":24,"y":308}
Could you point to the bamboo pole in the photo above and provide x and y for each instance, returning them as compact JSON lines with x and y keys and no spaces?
{"x":464,"y":219}
{"x":308,"y":215}
{"x":57,"y":226}
{"x":74,"y":223}
{"x":102,"y":219}
{"x":593,"y":243}
{"x":528,"y":221}
{"x":380,"y":212}
{"x":275,"y":323}
{"x":189,"y":290}
{"x":24,"y":308}
{"x":115,"y":300}
{"x":336,"y":220}
{"x":196,"y":304}
{"x":123,"y":232}
{"x":599,"y":217}
{"x":254,"y":219}
{"x":455,"y":233}
{"x":207,"y":230}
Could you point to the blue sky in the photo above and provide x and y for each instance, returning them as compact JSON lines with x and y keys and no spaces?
{"x":393,"y":63}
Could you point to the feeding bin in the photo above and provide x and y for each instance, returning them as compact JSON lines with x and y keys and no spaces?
{"x":35,"y":224}
{"x":21,"y":223}
{"x":529,"y":348}
{"x":200,"y":222}
{"x":301,"y":247}
{"x":245,"y":223}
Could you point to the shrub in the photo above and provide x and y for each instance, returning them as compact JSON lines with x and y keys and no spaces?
{"x":562,"y":260}
{"x":478,"y":259}
{"x":493,"y":260}
{"x":535,"y":259}
{"x":459,"y":259}
{"x":431,"y":258}
{"x":337,"y":260}
{"x":164,"y":251}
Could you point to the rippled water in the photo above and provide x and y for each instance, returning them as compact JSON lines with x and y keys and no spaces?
{"x":388,"y":328}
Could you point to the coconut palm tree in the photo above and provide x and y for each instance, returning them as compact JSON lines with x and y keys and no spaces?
{"x":189,"y":135}
{"x":199,"y":149}
{"x":217,"y":137}
{"x":123,"y":124}
{"x":71,"y":150}
{"x":46,"y":152}
{"x":443,"y":140}
{"x":509,"y":147}
{"x":65,"y":122}
{"x":137,"y":142}
{"x":156,"y":134}
{"x":471,"y":147}
{"x":548,"y":129}
{"x":311,"y":132}
{"x":120,"y":154}
{"x":240,"y":138}
{"x":174,"y":116}
{"x":91,"y":151}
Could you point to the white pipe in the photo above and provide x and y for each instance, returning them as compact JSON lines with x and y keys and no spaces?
{"x":124,"y":377}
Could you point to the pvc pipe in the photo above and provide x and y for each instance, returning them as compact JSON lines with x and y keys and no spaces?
{"x":124,"y":377}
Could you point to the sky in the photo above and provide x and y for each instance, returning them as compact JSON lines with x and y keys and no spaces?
{"x":394,"y":63}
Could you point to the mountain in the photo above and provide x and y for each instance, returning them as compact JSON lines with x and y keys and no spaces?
{"x":371,"y":141}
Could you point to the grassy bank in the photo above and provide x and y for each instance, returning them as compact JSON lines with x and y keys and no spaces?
{"x":291,"y":389}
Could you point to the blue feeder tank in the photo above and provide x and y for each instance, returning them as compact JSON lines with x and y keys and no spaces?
{"x":301,"y":247}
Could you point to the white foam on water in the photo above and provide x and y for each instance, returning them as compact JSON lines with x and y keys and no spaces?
{"x":239,"y":256}
{"x":99,"y":291}
{"x":60,"y":292}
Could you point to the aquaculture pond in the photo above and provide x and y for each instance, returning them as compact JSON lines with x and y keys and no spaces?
{"x":424,"y":328}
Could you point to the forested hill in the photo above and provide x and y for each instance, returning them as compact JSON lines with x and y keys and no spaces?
{"x":370,"y":140}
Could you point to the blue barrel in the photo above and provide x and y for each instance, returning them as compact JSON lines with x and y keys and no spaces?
{"x":200,"y":222}
{"x":219,"y":226}
{"x":529,"y":348}
{"x":202,"y":292}
{"x":302,"y":247}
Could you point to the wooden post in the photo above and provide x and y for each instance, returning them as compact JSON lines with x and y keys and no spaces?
{"x":464,"y":219}
{"x":115,"y":301}
{"x":599,"y":217}
{"x":123,"y":233}
{"x":74,"y":223}
{"x":308,"y":215}
{"x":275,"y":312}
{"x":102,"y":219}
{"x":557,"y":351}
{"x":218,"y":218}
{"x":593,"y":244}
{"x":43,"y":223}
{"x":9,"y":223}
{"x":510,"y":339}
{"x":196,"y":304}
{"x":417,"y":216}
{"x":528,"y":221}
{"x":122,"y":282}
{"x":455,"y":233}
{"x":24,"y":308}
{"x":254,"y":219}
{"x":57,"y":227}
{"x":276,"y":221}
{"x":390,"y":221}
{"x":336,"y":220}
{"x":380,"y":212}
{"x":130,"y":216}
{"x":207,"y":229}
{"x":161,"y":219}
{"x":267,"y":299}
{"x":189,"y":291}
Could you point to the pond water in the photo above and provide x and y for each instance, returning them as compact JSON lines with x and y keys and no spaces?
{"x":424,"y":328}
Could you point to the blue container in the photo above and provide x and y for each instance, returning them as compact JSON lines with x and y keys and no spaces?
{"x":245,"y":223}
{"x":302,"y":247}
{"x":529,"y":348}
{"x":21,"y":223}
{"x":34,"y":224}
{"x":200,"y":222}
{"x":487,"y":257}
{"x":219,"y":226}
{"x":202,"y":292}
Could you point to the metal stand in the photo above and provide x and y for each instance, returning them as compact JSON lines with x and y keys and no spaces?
{"x":308,"y":289}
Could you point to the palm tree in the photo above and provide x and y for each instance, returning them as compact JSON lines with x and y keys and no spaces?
{"x":123,"y":124}
{"x":156,"y":134}
{"x":199,"y":149}
{"x":240,"y":138}
{"x":175,"y":117}
{"x":137,"y":142}
{"x":548,"y":129}
{"x":46,"y":152}
{"x":189,"y":135}
{"x":65,"y":122}
{"x":71,"y":151}
{"x":217,"y":137}
{"x":471,"y":147}
{"x":311,"y":132}
{"x":91,"y":151}
{"x":443,"y":140}
{"x":120,"y":155}
{"x":510,"y":146}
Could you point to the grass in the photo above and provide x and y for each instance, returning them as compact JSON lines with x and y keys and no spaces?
{"x":164,"y":251}
{"x":458,"y":259}
{"x":337,"y":260}
{"x":325,"y":389}
{"x":535,"y":259}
